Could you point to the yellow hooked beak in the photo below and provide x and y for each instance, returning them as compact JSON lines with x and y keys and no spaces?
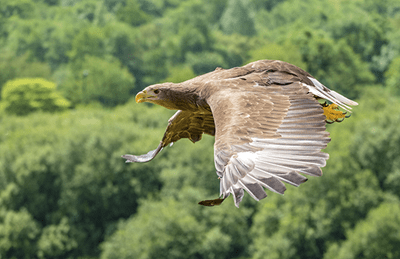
{"x":141,"y":97}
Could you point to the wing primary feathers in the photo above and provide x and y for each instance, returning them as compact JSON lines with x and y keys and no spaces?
{"x":238,"y":194}
{"x":342,"y":98}
{"x":231,"y":176}
{"x":143,"y":158}
{"x":323,"y":92}
{"x":292,"y":177}
{"x":269,"y":182}
{"x":254,"y":189}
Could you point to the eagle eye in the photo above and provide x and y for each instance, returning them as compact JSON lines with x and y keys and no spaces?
{"x":156,"y":91}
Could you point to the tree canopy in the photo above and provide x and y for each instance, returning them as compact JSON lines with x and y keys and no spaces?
{"x":69,"y":71}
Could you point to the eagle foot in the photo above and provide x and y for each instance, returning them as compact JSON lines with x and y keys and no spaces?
{"x":211,"y":202}
{"x":333,"y":114}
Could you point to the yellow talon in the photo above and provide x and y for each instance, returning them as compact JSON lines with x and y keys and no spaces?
{"x":332,"y":113}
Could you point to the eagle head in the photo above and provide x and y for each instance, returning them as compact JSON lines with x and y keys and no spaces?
{"x":170,"y":95}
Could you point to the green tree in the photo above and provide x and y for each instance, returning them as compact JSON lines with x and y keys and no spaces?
{"x":205,"y":62}
{"x":392,"y":76}
{"x":51,"y":2}
{"x":64,"y":188}
{"x":90,"y":11}
{"x":364,"y":33}
{"x":66,"y":171}
{"x":27,"y":37}
{"x":132,"y":14}
{"x":333,"y":63}
{"x":96,"y":79}
{"x":45,"y":38}
{"x":303,"y":222}
{"x":56,"y":240}
{"x":236,"y":19}
{"x":287,"y":52}
{"x":191,"y":30}
{"x":13,"y":67}
{"x":18,"y":234}
{"x":233,"y":48}
{"x":59,"y":41}
{"x":148,"y":58}
{"x":159,"y":7}
{"x":20,"y":8}
{"x":180,"y":74}
{"x":266,"y":4}
{"x":23,"y":9}
{"x":175,"y":235}
{"x":377,"y":236}
{"x":89,"y":41}
{"x":122,"y":44}
{"x":180,"y":229}
{"x":286,"y":17}
{"x":23,"y":96}
{"x":376,"y":145}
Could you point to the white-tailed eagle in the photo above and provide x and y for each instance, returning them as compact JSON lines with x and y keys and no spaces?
{"x":268,"y":124}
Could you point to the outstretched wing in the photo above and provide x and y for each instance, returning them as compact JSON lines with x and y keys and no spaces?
{"x":183,"y":124}
{"x":267,"y":132}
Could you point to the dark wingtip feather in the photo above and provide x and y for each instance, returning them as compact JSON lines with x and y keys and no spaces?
{"x":254,"y":189}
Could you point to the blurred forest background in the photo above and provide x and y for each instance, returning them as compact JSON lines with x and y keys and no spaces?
{"x":69,"y":70}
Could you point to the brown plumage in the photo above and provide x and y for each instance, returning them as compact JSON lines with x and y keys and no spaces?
{"x":267,"y":122}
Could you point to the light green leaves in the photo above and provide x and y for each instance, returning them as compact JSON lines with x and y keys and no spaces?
{"x":23,"y":96}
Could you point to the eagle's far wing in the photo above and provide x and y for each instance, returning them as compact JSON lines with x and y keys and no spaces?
{"x":183,"y":124}
{"x":266,"y":135}
{"x":188,"y":124}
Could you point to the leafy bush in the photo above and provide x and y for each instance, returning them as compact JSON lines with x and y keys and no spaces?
{"x":26,"y":95}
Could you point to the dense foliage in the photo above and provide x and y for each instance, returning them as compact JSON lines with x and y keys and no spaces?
{"x":26,"y":95}
{"x":69,"y":70}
